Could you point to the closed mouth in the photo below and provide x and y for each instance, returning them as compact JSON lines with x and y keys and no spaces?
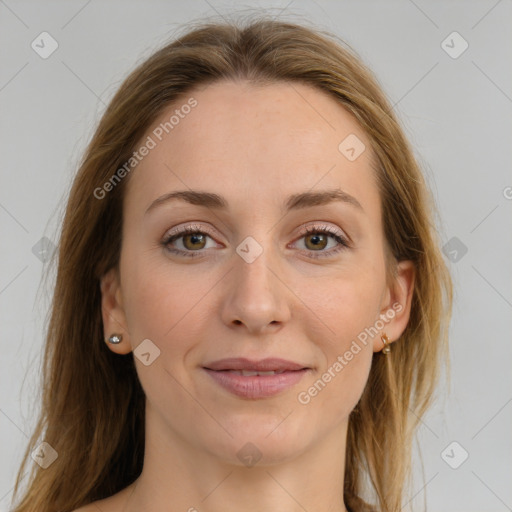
{"x":251,"y":373}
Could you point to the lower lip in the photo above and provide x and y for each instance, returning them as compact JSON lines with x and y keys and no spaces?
{"x":257,"y":386}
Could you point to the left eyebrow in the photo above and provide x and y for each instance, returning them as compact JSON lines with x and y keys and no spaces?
{"x":308,"y":199}
{"x":294,"y":202}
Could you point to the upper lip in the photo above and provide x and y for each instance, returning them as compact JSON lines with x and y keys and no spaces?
{"x":264,"y":365}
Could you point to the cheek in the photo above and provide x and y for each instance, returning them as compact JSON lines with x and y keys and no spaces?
{"x":340,"y":316}
{"x":343,"y":305}
{"x":163,"y":300}
{"x":166,"y":305}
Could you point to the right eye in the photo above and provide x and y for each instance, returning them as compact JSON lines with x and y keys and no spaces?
{"x":192,"y":238}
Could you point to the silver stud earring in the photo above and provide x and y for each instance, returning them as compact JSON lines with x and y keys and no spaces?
{"x":115,"y":338}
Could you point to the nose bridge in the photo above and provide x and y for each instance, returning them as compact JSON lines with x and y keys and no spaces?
{"x":254,"y":272}
{"x":256,"y":296}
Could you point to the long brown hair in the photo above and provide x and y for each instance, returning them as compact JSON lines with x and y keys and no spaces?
{"x":93,"y":405}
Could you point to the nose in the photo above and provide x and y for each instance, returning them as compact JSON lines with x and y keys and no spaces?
{"x":256,"y":295}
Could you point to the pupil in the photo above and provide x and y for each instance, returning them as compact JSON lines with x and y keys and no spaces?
{"x":195,"y":238}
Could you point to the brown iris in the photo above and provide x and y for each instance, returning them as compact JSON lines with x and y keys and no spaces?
{"x":315,"y":238}
{"x":195,"y":238}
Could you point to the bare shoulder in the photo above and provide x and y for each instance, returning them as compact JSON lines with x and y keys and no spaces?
{"x":115,"y":503}
{"x":87,"y":508}
{"x":96,"y":506}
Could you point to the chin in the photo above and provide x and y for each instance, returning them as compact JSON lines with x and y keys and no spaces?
{"x":261,"y":442}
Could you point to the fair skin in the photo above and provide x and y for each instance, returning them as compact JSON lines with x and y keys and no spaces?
{"x":254,"y":146}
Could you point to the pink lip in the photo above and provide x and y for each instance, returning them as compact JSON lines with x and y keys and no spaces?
{"x":256,"y":386}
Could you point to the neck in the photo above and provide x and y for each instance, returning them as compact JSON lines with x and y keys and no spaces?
{"x":186,"y":478}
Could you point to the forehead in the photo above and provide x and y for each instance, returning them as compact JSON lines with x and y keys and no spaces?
{"x":251,"y":141}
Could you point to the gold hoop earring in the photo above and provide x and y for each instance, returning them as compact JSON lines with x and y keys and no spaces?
{"x":385,"y":340}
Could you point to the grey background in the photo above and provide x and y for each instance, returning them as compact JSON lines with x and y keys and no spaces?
{"x":456,"y":111}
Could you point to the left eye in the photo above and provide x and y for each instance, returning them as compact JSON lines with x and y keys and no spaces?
{"x":318,"y":238}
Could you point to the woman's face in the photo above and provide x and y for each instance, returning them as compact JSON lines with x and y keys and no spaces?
{"x":275,"y":269}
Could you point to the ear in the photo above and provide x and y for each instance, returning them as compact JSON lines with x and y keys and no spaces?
{"x":114,"y":320}
{"x":396,"y":306}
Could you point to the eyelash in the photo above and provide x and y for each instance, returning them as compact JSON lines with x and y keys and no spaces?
{"x":194,"y":229}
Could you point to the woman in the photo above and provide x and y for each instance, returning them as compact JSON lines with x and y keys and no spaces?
{"x":250,"y":296}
